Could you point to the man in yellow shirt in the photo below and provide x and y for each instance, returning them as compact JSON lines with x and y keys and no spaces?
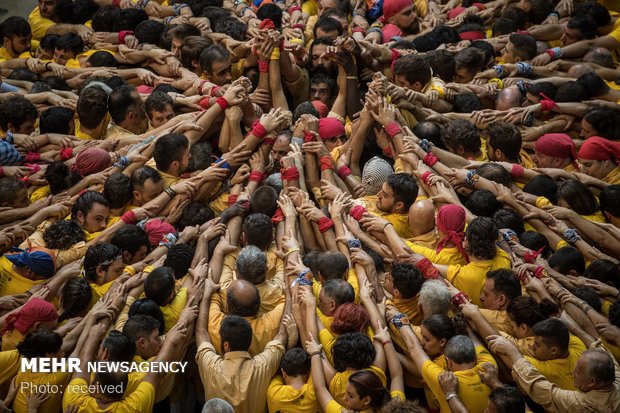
{"x":236,"y":376}
{"x":16,"y":38}
{"x":171,"y":157}
{"x":20,"y":272}
{"x":500,"y":288}
{"x":128,"y":114}
{"x":44,"y":20}
{"x":293,"y":390}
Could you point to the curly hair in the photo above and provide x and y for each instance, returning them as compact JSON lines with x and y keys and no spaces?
{"x":350,"y":318}
{"x":62,"y":235}
{"x":353,"y":350}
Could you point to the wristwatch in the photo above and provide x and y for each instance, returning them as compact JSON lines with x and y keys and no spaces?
{"x":451,"y":396}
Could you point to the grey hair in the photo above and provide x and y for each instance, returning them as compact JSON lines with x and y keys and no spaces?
{"x":275,"y":181}
{"x":252,"y":265}
{"x":600,"y":366}
{"x":217,"y":406}
{"x":107,"y":89}
{"x":434,"y":298}
{"x":461,"y":350}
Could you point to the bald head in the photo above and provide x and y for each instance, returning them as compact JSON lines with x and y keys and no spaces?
{"x":601,"y":56}
{"x":579,"y":69}
{"x":508,"y":98}
{"x":242,"y":299}
{"x":422,"y":217}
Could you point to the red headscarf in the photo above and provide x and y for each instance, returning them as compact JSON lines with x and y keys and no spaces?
{"x":471,"y":35}
{"x":330,"y":128}
{"x":451,"y":221}
{"x":556,"y":145}
{"x":156,"y":229}
{"x":321,"y":108}
{"x":34,"y":311}
{"x":596,"y":148}
{"x":90,"y":161}
{"x":392,"y":7}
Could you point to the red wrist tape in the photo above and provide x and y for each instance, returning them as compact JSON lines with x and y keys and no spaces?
{"x":309,"y":137}
{"x":129,"y":218}
{"x":269,"y":141}
{"x":66,"y":153}
{"x":258,"y":130}
{"x":425,"y":177}
{"x":289,"y":174}
{"x":32,"y":157}
{"x":388,"y":152}
{"x":539,"y":272}
{"x":33,"y":167}
{"x":326,"y":163}
{"x":222,"y":103}
{"x":547,"y":105}
{"x":263,"y":66}
{"x":459,"y":299}
{"x":122,"y":34}
{"x":232,"y":199}
{"x":517,"y":170}
{"x":430,"y":159}
{"x":298,"y":26}
{"x":214,"y":90}
{"x":256,"y":176}
{"x":343,"y":171}
{"x":530,"y":256}
{"x":427,"y":269}
{"x":357,"y":212}
{"x":278,"y":216}
{"x":205,"y":103}
{"x":325,"y":224}
{"x":392,"y":129}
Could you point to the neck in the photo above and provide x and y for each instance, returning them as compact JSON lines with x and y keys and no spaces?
{"x":461,"y":367}
{"x":95,"y":133}
{"x":296,"y":382}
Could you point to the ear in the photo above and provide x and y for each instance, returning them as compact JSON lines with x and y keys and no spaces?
{"x":137,"y":196}
{"x":126,"y":256}
{"x":501,"y":299}
{"x":80,"y":217}
{"x":517,"y":59}
{"x":400,"y":206}
{"x":195,"y":64}
{"x":366,"y":401}
{"x":443,"y":342}
{"x":226,"y":346}
{"x":396,"y":293}
{"x":573,"y":273}
{"x":100,"y":273}
{"x":498,"y":154}
{"x":140,"y":342}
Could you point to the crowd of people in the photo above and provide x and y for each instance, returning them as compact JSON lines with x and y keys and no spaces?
{"x":315,"y":206}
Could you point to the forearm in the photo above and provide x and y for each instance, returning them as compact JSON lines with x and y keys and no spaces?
{"x":275,"y":85}
{"x":202,"y":332}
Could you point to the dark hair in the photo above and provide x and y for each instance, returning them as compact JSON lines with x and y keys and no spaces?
{"x":585,"y":24}
{"x":211,"y":54}
{"x":71,"y":42}
{"x":414,"y":68}
{"x":505,"y":282}
{"x":120,"y":346}
{"x":440,"y":326}
{"x":593,"y":84}
{"x":604,"y":121}
{"x":496,"y":173}
{"x":232,"y":27}
{"x":328,"y":80}
{"x":524,"y":45}
{"x":535,"y":241}
{"x":157,"y":101}
{"x":571,"y":92}
{"x":482,"y":203}
{"x":16,"y":110}
{"x":597,"y":11}
{"x":144,"y":173}
{"x":516,"y":15}
{"x":525,"y":310}
{"x":92,"y":106}
{"x":99,"y":255}
{"x":191,"y":49}
{"x":566,"y":259}
{"x":60,"y":177}
{"x":56,"y":120}
{"x":507,"y":138}
{"x":39,"y":87}
{"x":461,"y":133}
{"x":442,"y":63}
{"x":353,"y":350}
{"x":577,"y":195}
{"x":507,"y":218}
{"x":604,"y":271}
{"x":258,"y":230}
{"x":56,"y":82}
{"x":543,"y":185}
{"x":296,"y":362}
{"x":83,"y":10}
{"x":546,"y":88}
{"x":305,"y":108}
{"x":429,"y":131}
{"x":610,"y":200}
{"x":503,"y":26}
{"x":466,"y":103}
{"x":62,"y":235}
{"x":368,"y":384}
{"x":481,"y":235}
{"x":38,"y":343}
{"x":149,"y":31}
{"x":15,"y":26}
{"x":9,"y":185}
{"x":407,"y":279}
{"x":159,"y":285}
{"x":86,"y":201}
{"x":340,"y":291}
{"x":131,"y":238}
{"x":471,"y":58}
{"x":195,"y":213}
{"x":120,"y":102}
{"x":237,"y":332}
{"x":24,"y":74}
{"x":405,"y":189}
{"x":507,"y":399}
{"x":264,"y":200}
{"x":76,"y":295}
{"x":179,"y":258}
{"x":117,"y":190}
{"x":614,"y":313}
{"x":332,"y":265}
{"x":554,"y":333}
{"x":201,"y":156}
{"x":327,"y":24}
{"x":148,"y":307}
{"x":104,"y":18}
{"x":140,"y":325}
{"x":169,"y":148}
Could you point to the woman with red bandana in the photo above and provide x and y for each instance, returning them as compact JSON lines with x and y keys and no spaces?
{"x":599,"y":159}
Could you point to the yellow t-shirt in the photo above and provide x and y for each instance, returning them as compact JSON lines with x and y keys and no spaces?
{"x":140,"y":400}
{"x":40,"y":193}
{"x":284,"y":398}
{"x":473,"y":393}
{"x":11,"y":339}
{"x":172,"y":311}
{"x":39,"y":25}
{"x":29,"y":382}
{"x":613,"y":177}
{"x":447,"y":256}
{"x":470,"y":278}
{"x":334,"y":407}
{"x":11,"y":282}
{"x":498,"y":319}
{"x":560,"y":371}
{"x":337,"y":387}
{"x":399,"y":221}
{"x":9,"y":365}
{"x":98,"y":292}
